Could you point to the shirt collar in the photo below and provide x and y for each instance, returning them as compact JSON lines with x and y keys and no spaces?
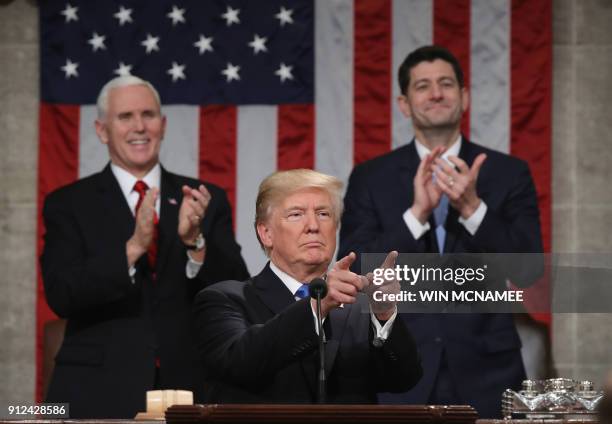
{"x":126,"y":180}
{"x":453,"y":150}
{"x":291,"y":283}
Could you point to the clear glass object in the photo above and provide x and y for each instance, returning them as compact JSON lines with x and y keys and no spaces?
{"x":555,"y":397}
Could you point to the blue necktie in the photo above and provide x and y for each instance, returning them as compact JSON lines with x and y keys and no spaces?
{"x":302,"y":292}
{"x":440,"y":214}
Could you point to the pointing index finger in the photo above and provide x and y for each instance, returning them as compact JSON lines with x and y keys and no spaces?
{"x":346,"y":262}
{"x":389,"y":261}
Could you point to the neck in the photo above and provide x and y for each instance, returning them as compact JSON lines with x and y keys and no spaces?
{"x":302,"y":273}
{"x":138,"y":173}
{"x":435,"y":137}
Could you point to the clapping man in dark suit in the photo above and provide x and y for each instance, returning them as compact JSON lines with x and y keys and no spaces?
{"x":126,"y":250}
{"x":442,"y":193}
{"x":257,"y":338}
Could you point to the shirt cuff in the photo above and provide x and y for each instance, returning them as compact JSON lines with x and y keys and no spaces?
{"x":382,"y":332}
{"x":416,"y":228}
{"x":473,"y":222}
{"x":192,"y":268}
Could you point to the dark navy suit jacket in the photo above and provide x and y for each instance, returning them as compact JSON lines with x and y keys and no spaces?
{"x":482,"y":350}
{"x":259,"y":345}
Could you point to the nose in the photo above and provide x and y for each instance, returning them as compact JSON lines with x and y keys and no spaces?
{"x":139,"y":124}
{"x":436,"y":92}
{"x":312,"y":223}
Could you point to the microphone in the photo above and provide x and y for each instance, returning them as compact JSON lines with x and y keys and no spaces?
{"x":317,"y":287}
{"x":318,"y":290}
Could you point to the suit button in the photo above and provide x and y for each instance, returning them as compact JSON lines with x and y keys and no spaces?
{"x":438,"y":339}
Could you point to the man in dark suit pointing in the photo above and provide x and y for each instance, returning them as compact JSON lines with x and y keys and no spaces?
{"x":441,"y":194}
{"x":258,"y":339}
{"x":126,"y":250}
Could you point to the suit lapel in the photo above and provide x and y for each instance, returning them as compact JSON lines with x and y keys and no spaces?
{"x":276,"y":297}
{"x":338,"y":318}
{"x":114,"y":204}
{"x":408,"y":164}
{"x":271,"y":290}
{"x":170,"y":202}
{"x":453,"y":228}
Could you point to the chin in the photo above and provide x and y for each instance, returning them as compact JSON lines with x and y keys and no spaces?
{"x":318,"y":259}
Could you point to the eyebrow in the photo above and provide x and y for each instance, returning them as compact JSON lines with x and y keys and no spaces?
{"x":303,"y":208}
{"x":442,"y":78}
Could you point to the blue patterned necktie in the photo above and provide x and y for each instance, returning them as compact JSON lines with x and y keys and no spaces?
{"x":302,"y":292}
{"x":440,"y":214}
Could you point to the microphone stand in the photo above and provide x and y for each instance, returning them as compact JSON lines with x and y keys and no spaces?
{"x":321,"y":395}
{"x":318,"y":290}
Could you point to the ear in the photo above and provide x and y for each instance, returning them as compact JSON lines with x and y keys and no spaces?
{"x":264,"y":231}
{"x":163,"y":129}
{"x":465,"y":99}
{"x":404,"y":105}
{"x":101,"y":131}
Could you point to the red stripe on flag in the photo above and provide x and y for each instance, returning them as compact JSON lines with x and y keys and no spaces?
{"x":218,"y":132}
{"x":372,"y":79}
{"x":531,"y":93}
{"x":451,"y":22}
{"x":58,"y":165}
{"x":296,"y":136}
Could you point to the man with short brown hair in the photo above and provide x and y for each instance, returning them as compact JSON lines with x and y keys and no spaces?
{"x":442,"y":194}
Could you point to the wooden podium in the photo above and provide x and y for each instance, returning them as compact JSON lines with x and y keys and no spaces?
{"x":293,"y":414}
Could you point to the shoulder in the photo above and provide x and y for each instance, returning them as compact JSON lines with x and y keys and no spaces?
{"x":499,"y":170}
{"x":497,"y":158}
{"x":228,"y":286}
{"x":182,"y":180}
{"x":380,"y":166}
{"x":215,"y":191}
{"x":77,"y":190}
{"x":229,"y":289}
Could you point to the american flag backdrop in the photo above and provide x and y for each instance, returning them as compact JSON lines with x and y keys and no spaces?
{"x":252,"y":86}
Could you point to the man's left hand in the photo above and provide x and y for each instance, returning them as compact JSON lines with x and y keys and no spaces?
{"x":459,"y":182}
{"x":191,"y":213}
{"x":383,"y":310}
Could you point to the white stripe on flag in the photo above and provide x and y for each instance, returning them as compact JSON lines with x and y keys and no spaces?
{"x":334,"y":87}
{"x":412,"y":28}
{"x":256,"y":159}
{"x":93,"y":155}
{"x":180,"y":151}
{"x":490,"y":74}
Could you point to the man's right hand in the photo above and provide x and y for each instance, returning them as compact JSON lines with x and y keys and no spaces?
{"x":142,"y":238}
{"x":342,"y":285}
{"x":427,"y":194}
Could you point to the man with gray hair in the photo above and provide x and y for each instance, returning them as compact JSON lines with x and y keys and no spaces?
{"x":125,"y":252}
{"x":258,"y":338}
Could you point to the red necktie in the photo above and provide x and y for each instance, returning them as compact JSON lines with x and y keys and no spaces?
{"x":141,"y":188}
